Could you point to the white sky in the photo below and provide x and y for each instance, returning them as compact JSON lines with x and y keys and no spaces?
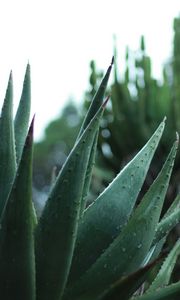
{"x":59,"y":38}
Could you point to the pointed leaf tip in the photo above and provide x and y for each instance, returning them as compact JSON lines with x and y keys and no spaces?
{"x":30,"y":132}
{"x":112,"y":61}
{"x":165,"y":118}
{"x":11,"y":75}
{"x":28,"y":66}
{"x":31,"y":128}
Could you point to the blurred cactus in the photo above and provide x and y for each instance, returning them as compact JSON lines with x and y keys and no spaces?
{"x":56,"y":145}
{"x":176,"y":72}
{"x":139,"y":103}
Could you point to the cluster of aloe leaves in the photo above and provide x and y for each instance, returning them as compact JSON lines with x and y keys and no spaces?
{"x":105,"y":251}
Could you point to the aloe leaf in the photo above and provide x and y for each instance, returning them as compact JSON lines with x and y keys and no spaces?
{"x":17,"y":262}
{"x":88,"y":174}
{"x":97,"y":101}
{"x":171,"y":292}
{"x":95,"y":105}
{"x":104,"y":219}
{"x":174,"y":206}
{"x":59,"y":219}
{"x":22,"y":115}
{"x":7,"y":146}
{"x":164,"y":275}
{"x":127,"y":286}
{"x":128,"y":250}
{"x":166,"y":225}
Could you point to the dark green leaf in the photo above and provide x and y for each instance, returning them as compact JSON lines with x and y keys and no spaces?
{"x":164,"y":275}
{"x":88,"y":174}
{"x":7,"y":147}
{"x":166,"y":225}
{"x":128,"y":250}
{"x":97,"y":101}
{"x":104,"y":219}
{"x":170,"y":292}
{"x":22,"y":115}
{"x":56,"y":231}
{"x":127,"y":286}
{"x":17,"y":262}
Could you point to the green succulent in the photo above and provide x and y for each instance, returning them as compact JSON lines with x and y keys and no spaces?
{"x":139,"y":101}
{"x":106,"y":251}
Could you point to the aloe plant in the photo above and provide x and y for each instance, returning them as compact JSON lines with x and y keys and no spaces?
{"x":139,"y":101}
{"x":105,"y":251}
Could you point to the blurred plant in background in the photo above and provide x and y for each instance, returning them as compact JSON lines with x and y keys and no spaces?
{"x":58,"y":140}
{"x":51,"y":152}
{"x":139,"y":103}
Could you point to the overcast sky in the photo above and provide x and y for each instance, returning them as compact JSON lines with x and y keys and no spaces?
{"x":59,"y":38}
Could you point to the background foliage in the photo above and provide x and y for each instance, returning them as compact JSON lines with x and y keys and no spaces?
{"x":139,"y":103}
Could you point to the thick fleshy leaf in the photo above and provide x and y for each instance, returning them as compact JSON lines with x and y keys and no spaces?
{"x":128,"y":250}
{"x":126,"y":287}
{"x":22,"y":115}
{"x":88,"y":174}
{"x":164,"y":275}
{"x":174,"y":207}
{"x":169,"y":220}
{"x":166,"y":225}
{"x":95,"y":105}
{"x":170,"y":292}
{"x":17,"y":262}
{"x":7,"y":146}
{"x":97,"y":101}
{"x":104,"y":219}
{"x":56,"y":231}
